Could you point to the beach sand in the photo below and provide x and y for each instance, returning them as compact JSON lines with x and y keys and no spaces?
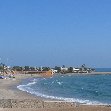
{"x":12,"y":99}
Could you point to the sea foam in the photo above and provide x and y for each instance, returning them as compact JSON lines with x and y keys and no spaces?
{"x":27,"y":88}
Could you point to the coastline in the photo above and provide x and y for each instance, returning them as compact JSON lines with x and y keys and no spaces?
{"x":8,"y":91}
{"x":10,"y":86}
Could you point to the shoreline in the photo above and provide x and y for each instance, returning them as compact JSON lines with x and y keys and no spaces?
{"x":10,"y":86}
{"x":9,"y":91}
{"x":51,"y":99}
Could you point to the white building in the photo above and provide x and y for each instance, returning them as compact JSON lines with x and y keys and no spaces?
{"x":64,"y":69}
{"x":54,"y":71}
{"x":76,"y":69}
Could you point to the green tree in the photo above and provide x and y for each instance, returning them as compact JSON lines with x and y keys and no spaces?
{"x":32,"y":68}
{"x":46,"y":68}
{"x":70,"y":69}
{"x":58,"y":69}
{"x":17,"y":68}
{"x":26,"y":68}
{"x":2,"y":67}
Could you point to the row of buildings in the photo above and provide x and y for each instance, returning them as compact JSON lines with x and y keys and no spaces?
{"x":81,"y":69}
{"x":28,"y":69}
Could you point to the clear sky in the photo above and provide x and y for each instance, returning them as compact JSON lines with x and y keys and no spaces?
{"x":55,"y":32}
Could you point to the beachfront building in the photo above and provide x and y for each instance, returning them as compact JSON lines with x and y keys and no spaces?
{"x":64,"y":69}
{"x":54,"y":71}
{"x":76,"y":70}
{"x":82,"y":69}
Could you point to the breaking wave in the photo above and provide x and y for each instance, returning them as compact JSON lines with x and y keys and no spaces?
{"x":50,"y":89}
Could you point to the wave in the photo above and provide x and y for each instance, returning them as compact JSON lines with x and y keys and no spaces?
{"x":27,"y":88}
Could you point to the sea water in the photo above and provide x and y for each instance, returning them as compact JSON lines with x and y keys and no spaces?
{"x":103,"y":69}
{"x":84,"y":89}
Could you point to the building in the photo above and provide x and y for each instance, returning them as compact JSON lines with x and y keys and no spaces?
{"x":76,"y":70}
{"x":64,"y":69}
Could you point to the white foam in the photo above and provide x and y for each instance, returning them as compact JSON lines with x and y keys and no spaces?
{"x":60,"y":83}
{"x":30,"y":90}
{"x":29,"y":84}
{"x":27,"y":88}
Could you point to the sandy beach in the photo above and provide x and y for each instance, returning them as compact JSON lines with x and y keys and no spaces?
{"x":12,"y":99}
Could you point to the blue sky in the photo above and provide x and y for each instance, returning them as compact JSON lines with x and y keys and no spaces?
{"x":55,"y":32}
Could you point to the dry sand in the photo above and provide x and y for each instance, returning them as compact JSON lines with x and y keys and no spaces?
{"x":12,"y":99}
{"x":8,"y":88}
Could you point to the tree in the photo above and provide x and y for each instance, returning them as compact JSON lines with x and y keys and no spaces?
{"x":46,"y":68}
{"x":32,"y":68}
{"x":39,"y":69}
{"x":26,"y":68}
{"x":58,"y":69}
{"x":63,"y":66}
{"x":2,"y":67}
{"x":17,"y":68}
{"x":70,"y":69}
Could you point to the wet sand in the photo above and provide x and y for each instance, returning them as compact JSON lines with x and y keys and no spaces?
{"x":12,"y":99}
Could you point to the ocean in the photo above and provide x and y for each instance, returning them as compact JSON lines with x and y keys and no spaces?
{"x":103,"y":69}
{"x":84,"y":89}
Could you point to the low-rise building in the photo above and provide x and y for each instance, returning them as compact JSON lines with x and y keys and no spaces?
{"x":64,"y":69}
{"x":76,"y":70}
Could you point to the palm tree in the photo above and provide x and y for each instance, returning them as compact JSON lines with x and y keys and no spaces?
{"x":2,"y":67}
